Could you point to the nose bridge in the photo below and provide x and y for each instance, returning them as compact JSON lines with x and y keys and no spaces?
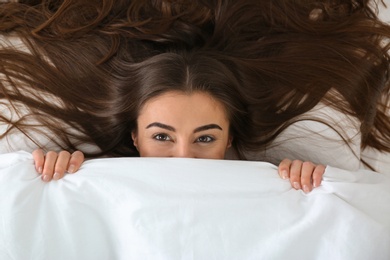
{"x":183,"y":149}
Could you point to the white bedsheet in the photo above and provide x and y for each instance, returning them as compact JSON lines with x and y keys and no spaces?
{"x":149,"y":208}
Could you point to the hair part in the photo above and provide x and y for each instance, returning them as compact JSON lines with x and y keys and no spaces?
{"x":186,"y":73}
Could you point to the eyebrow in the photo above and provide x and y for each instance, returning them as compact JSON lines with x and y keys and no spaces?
{"x":207,"y":127}
{"x":161,"y":125}
{"x":171,"y":128}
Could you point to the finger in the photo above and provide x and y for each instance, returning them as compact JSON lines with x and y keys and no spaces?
{"x":295,"y":174}
{"x":284,"y":168}
{"x":39,"y":159}
{"x":48,"y":167}
{"x":61,"y":165}
{"x":317,"y":175}
{"x":306,"y":176}
{"x":75,"y":162}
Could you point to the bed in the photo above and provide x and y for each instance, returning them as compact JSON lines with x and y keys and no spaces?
{"x":172,"y":208}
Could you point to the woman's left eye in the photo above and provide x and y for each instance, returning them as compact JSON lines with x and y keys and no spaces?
{"x":205,"y":139}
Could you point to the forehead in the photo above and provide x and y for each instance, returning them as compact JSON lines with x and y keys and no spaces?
{"x":184,"y":105}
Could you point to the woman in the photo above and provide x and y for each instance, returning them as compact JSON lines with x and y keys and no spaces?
{"x":290,"y":56}
{"x":183,"y":105}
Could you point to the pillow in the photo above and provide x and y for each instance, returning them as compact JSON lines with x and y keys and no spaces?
{"x":310,"y":140}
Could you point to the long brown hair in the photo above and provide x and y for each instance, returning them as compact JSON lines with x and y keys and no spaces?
{"x":299,"y":53}
{"x":288,"y":55}
{"x":75,"y":47}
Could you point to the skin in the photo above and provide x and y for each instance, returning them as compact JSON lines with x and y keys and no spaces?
{"x":180,"y":125}
{"x":176,"y":124}
{"x":53,"y":166}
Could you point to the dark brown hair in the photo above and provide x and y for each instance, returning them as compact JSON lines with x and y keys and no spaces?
{"x":183,"y":72}
{"x":287,"y":55}
{"x":75,"y":46}
{"x":294,"y":54}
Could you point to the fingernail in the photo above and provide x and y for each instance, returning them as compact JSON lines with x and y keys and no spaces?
{"x":46,"y":178}
{"x":71,"y":169}
{"x":284,"y":174}
{"x":306,"y":189}
{"x":39,"y":170}
{"x":56,"y":176}
{"x":296,"y":185}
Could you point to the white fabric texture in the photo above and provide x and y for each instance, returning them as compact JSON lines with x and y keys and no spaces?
{"x":172,"y":208}
{"x":384,"y":12}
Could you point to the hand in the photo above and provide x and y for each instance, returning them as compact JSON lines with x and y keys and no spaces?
{"x":53,"y":165}
{"x":303,"y":175}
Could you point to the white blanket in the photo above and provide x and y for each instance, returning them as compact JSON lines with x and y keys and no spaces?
{"x":150,"y":208}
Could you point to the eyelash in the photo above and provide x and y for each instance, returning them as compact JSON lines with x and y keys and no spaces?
{"x":210,"y":139}
{"x":162,"y":137}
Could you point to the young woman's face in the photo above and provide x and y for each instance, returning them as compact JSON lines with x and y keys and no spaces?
{"x":176,"y":124}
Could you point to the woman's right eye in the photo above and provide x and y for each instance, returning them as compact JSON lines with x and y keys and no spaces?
{"x":162,"y":137}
